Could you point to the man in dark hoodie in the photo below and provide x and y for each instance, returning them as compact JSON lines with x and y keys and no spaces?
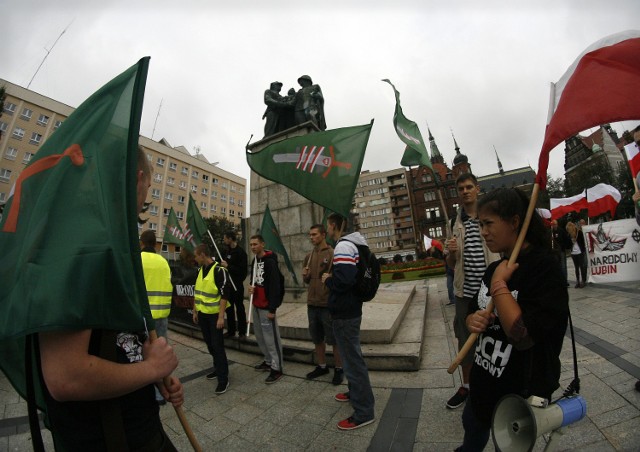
{"x":346,"y":313}
{"x":266,"y":289}
{"x":235,"y":260}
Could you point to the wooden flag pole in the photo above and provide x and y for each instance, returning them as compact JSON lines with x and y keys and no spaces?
{"x":179,"y":412}
{"x":220,"y":255}
{"x":253,"y":281}
{"x":512,"y":259}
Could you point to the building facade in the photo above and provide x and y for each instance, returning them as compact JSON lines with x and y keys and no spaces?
{"x":29,"y":118}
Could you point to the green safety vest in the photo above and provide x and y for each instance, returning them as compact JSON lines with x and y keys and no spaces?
{"x":206,"y":294}
{"x":157,"y":278}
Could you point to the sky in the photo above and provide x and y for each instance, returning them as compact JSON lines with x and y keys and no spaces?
{"x":478,"y":70}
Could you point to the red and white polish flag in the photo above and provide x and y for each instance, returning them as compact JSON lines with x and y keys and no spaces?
{"x":602,"y":198}
{"x":562,"y":206}
{"x":633,"y":157}
{"x":598,"y":88}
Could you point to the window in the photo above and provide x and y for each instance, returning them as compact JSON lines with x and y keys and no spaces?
{"x":160,"y":161}
{"x":180,"y":215}
{"x":26,"y":114}
{"x":194,"y":173}
{"x":10,"y":153}
{"x":232,"y":213}
{"x":168,"y":196}
{"x":43,"y":120}
{"x":224,"y":185}
{"x":18,"y":133}
{"x":453,"y":193}
{"x":183,"y":185}
{"x":435,"y":232}
{"x":232,"y":200}
{"x":223,"y":210}
{"x":214,"y":194}
{"x":173,"y":166}
{"x":157,"y":177}
{"x":223,"y":198}
{"x":153,"y":210}
{"x":171,"y":180}
{"x":3,"y":196}
{"x":430,"y":196}
{"x":35,"y":138}
{"x":5,"y":175}
{"x":213,"y":208}
{"x":164,"y":248}
{"x":10,"y":108}
{"x":233,"y":188}
{"x":27,"y":157}
{"x":194,"y":188}
{"x":185,"y":170}
{"x":57,"y":124}
{"x":166,"y":212}
{"x":205,"y":192}
{"x":433,"y":213}
{"x":427,"y":178}
{"x":3,"y":126}
{"x":239,"y":214}
{"x":180,"y":199}
{"x":205,"y":177}
{"x":150,"y":157}
{"x":203,"y":205}
{"x":155,"y":193}
{"x":153,"y":226}
{"x":215,"y":181}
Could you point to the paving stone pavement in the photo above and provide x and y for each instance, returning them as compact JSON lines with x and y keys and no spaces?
{"x":295,"y":414}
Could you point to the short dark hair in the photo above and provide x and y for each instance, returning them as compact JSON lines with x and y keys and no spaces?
{"x":258,"y":237}
{"x":466,"y":176}
{"x":203,"y":248}
{"x":319,"y":227}
{"x":231,"y":235}
{"x":148,"y":238}
{"x":337,"y":220}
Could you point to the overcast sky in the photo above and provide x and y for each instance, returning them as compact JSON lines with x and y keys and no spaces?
{"x":481,"y":69}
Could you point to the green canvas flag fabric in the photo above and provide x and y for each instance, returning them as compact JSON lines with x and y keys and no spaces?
{"x":196,"y":226}
{"x":415,"y":154}
{"x":322,"y":166}
{"x":172,"y":230}
{"x":273,"y":241}
{"x":69,"y":236}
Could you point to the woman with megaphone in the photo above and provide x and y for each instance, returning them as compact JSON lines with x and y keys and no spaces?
{"x":519,"y":341}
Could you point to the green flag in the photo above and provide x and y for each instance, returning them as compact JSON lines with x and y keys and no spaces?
{"x":172,"y":230}
{"x":273,"y":241}
{"x":196,"y":226}
{"x":69,"y":236}
{"x":322,"y":166}
{"x":415,"y":154}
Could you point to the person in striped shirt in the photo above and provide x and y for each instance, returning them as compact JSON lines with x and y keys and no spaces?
{"x":468,"y":255}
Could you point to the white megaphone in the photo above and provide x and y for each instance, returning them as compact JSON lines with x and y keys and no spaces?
{"x":517,"y":422}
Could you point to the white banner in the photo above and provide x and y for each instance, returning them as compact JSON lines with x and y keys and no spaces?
{"x":614,"y":248}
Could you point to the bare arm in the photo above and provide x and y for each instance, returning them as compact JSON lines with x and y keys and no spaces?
{"x":71,"y":373}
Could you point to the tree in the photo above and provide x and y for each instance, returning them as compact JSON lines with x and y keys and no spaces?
{"x":555,"y":189}
{"x":588,"y":175}
{"x":217,"y":226}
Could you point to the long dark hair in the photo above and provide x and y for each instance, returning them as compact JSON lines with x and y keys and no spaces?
{"x":509,"y":202}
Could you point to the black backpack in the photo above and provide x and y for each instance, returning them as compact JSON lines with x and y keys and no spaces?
{"x":368,"y":276}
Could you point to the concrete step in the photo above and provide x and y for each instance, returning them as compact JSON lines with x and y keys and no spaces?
{"x":392,"y":330}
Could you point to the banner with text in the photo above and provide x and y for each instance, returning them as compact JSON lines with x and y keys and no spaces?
{"x":613,"y":249}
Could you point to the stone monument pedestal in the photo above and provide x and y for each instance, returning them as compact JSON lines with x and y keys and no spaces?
{"x":292,"y":214}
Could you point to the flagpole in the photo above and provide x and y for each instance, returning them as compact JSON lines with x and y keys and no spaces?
{"x":253,"y":281}
{"x":179,"y":412}
{"x":220,"y":255}
{"x":512,"y":259}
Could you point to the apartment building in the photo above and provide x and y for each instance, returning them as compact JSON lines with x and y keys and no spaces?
{"x":29,"y":118}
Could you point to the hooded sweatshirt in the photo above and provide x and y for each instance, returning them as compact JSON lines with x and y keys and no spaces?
{"x":267,"y":293}
{"x":343,"y":304}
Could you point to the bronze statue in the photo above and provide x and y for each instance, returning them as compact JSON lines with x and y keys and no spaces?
{"x":309,"y":103}
{"x":275,"y":105}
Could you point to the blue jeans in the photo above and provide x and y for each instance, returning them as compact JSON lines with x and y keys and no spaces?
{"x":215,"y":344}
{"x":347,"y":336}
{"x":450,"y":286}
{"x":476,"y":434}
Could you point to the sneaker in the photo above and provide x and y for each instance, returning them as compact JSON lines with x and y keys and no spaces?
{"x":212,"y":376}
{"x":228,"y":335}
{"x":242,"y":338}
{"x":342,"y":397}
{"x":338,"y":377}
{"x":263,"y":366}
{"x":318,"y":371}
{"x":458,"y":398}
{"x":274,"y":376}
{"x":222,"y":387}
{"x":350,"y":424}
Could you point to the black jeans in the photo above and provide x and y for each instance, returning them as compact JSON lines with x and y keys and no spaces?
{"x":215,"y":343}
{"x":234,"y":310}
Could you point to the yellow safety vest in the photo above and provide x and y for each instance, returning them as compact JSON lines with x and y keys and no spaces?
{"x":207,"y":297}
{"x":157,"y":278}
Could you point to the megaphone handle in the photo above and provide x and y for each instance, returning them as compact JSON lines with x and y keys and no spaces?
{"x":467,"y":345}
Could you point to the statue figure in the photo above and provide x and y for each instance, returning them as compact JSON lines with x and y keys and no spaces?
{"x":275,"y":105}
{"x":309,"y":103}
